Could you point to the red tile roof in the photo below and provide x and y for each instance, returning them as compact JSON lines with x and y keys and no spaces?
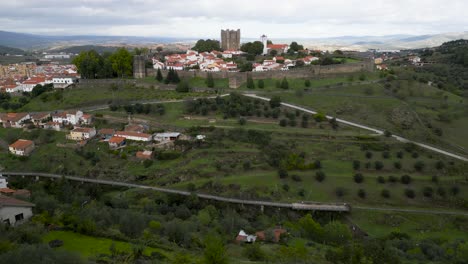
{"x":21,"y":144}
{"x":116,"y":140}
{"x":9,"y":201}
{"x":277,"y":46}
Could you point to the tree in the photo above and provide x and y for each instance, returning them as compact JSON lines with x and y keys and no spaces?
{"x":378,"y":165}
{"x":284,"y":83}
{"x":419,"y":165}
{"x":254,"y":253}
{"x":254,"y":48}
{"x":250,"y":82}
{"x":295,"y":47}
{"x":275,"y":101}
{"x":385,"y":193}
{"x":362,"y":193}
{"x":320,"y":176}
{"x":183,"y":87}
{"x":207,"y":45}
{"x":209,"y":80}
{"x":283,"y":122}
{"x":88,"y":64}
{"x":122,"y":62}
{"x":261,"y":84}
{"x":410,"y":193}
{"x":356,"y":164}
{"x":159,"y":76}
{"x":358,"y":178}
{"x":336,"y":233}
{"x":307,"y":83}
{"x":405,"y":179}
{"x":310,"y":229}
{"x":214,"y":252}
{"x":242,"y":121}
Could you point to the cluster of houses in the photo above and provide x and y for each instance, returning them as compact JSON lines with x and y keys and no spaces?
{"x":280,"y":63}
{"x":277,"y":232}
{"x":46,"y":120}
{"x":205,"y":61}
{"x":61,"y":76}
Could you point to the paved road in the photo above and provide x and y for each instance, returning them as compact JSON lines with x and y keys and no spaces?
{"x":377,"y":131}
{"x":296,"y":206}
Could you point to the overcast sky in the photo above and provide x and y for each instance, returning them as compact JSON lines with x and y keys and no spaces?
{"x":204,"y":18}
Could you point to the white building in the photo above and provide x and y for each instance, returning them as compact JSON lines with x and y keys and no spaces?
{"x":168,"y":136}
{"x":64,"y":81}
{"x":73,"y":118}
{"x":28,"y":85}
{"x":3,"y":182}
{"x":13,"y":211}
{"x":264,"y":39}
{"x":57,"y":56}
{"x":134,"y":136}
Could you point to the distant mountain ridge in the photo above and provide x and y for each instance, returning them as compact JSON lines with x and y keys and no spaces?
{"x":10,"y":50}
{"x":38,"y":42}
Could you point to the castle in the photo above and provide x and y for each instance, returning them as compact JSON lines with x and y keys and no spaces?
{"x":230,"y":39}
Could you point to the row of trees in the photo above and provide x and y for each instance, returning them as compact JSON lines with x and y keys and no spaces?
{"x":92,"y":65}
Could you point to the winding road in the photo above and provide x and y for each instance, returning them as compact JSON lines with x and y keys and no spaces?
{"x":377,"y":131}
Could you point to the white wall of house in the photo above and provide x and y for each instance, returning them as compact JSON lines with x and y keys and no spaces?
{"x":10,"y":213}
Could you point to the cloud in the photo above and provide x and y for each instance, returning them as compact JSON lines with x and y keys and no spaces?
{"x":204,"y":18}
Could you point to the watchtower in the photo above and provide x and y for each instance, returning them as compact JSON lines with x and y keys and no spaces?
{"x":139,"y":70}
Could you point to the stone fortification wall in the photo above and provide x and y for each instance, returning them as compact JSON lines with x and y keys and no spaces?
{"x":314,"y":71}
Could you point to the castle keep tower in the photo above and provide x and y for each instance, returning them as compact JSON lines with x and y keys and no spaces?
{"x":139,"y":70}
{"x":230,"y":39}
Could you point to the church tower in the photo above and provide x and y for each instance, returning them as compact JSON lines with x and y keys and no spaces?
{"x":264,"y":39}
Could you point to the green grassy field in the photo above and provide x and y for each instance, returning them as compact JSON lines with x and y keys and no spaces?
{"x":89,"y":246}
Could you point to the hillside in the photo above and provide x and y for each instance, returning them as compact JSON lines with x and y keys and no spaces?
{"x":78,"y":49}
{"x":11,"y":51}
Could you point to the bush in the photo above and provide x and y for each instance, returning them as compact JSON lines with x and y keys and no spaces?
{"x":242,"y":121}
{"x":378,"y":165}
{"x":254,"y":253}
{"x":356,"y":164}
{"x":358,"y":178}
{"x":320,"y":176}
{"x":368,"y":154}
{"x":147,"y":163}
{"x":286,"y":187}
{"x":439,"y":165}
{"x":428,"y":191}
{"x":307,"y":83}
{"x":397,"y":165}
{"x":317,"y":164}
{"x":296,"y":178}
{"x":387,"y":133}
{"x":419,"y":165}
{"x":362,"y":193}
{"x":386,"y":154}
{"x":282,"y":173}
{"x":410,"y":193}
{"x":392,"y":179}
{"x":340,"y":192}
{"x":455,"y":190}
{"x":441,"y":192}
{"x":381,"y":179}
{"x":415,"y":155}
{"x":385,"y":193}
{"x":183,"y":87}
{"x":435,"y":179}
{"x":261,"y":84}
{"x":283,"y":122}
{"x":405,"y":179}
{"x":400,"y":154}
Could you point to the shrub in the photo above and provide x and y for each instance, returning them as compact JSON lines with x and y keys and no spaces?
{"x":400,"y":154}
{"x":282,"y":173}
{"x":283,"y":122}
{"x":254,"y":253}
{"x":439,"y":165}
{"x":242,"y":121}
{"x":378,"y":165}
{"x":307,"y":83}
{"x":419,"y":165}
{"x":356,"y":164}
{"x":385,"y":193}
{"x":320,"y":176}
{"x":405,"y":179}
{"x":147,"y":163}
{"x":428,"y":191}
{"x":340,"y":192}
{"x":392,"y":179}
{"x":368,"y":154}
{"x":317,"y":164}
{"x":362,"y":193}
{"x":455,"y":190}
{"x":387,"y":133}
{"x":410,"y":193}
{"x":415,"y":155}
{"x":386,"y":154}
{"x":397,"y":165}
{"x":368,"y":165}
{"x":296,"y":178}
{"x":286,"y":187}
{"x":435,"y":179}
{"x":261,"y":84}
{"x":381,"y":179}
{"x":441,"y":192}
{"x":358,"y":178}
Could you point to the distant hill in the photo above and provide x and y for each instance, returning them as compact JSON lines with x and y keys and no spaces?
{"x":37,"y":42}
{"x":10,"y":50}
{"x":78,"y":49}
